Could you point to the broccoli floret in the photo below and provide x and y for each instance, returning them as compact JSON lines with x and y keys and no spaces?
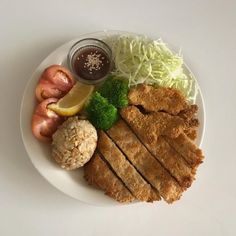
{"x":100,"y":112}
{"x":116,"y":91}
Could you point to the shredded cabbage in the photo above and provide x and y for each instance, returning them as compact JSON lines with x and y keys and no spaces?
{"x":142,"y":60}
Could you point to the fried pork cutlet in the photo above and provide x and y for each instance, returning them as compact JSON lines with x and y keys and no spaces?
{"x":154,"y":195}
{"x":146,"y":164}
{"x":98,"y":174}
{"x":157,"y":99}
{"x":156,"y":123}
{"x":123,"y":169}
{"x":191,"y":123}
{"x":162,"y":151}
{"x":191,"y":153}
{"x":188,"y":113}
{"x":191,"y":133}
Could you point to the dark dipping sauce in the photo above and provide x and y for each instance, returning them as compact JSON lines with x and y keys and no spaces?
{"x":91,"y":63}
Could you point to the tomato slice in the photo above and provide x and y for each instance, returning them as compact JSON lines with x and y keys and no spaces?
{"x":55,"y":82}
{"x":44,"y":121}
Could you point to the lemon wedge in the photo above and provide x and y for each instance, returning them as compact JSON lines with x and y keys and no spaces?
{"x":73,"y":101}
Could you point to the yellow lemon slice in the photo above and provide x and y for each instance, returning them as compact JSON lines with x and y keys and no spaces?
{"x":73,"y":101}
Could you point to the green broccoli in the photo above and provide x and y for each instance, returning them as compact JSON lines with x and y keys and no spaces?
{"x":100,"y":112}
{"x":116,"y":91}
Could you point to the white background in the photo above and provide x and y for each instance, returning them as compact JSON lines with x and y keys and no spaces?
{"x":206,"y":31}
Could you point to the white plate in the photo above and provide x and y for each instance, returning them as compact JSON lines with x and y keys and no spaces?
{"x":71,"y":183}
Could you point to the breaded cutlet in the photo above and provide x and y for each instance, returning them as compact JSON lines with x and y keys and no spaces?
{"x":190,"y":152}
{"x":191,"y":122}
{"x":189,"y":113}
{"x":168,"y":100}
{"x":98,"y":174}
{"x":123,"y":169}
{"x":155,"y":99}
{"x":191,"y":133}
{"x":159,"y":148}
{"x":143,"y":160}
{"x":149,"y":153}
{"x":155,"y":123}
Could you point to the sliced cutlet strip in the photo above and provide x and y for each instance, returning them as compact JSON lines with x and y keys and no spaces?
{"x":122,"y":167}
{"x":156,"y":123}
{"x":146,"y":164}
{"x":183,"y":145}
{"x":157,"y":99}
{"x":154,"y":195}
{"x":162,"y":151}
{"x":98,"y":174}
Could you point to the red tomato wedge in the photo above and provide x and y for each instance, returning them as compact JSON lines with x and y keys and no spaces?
{"x":55,"y":82}
{"x":45,"y":121}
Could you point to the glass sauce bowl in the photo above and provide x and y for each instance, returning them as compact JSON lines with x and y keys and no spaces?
{"x":90,"y":60}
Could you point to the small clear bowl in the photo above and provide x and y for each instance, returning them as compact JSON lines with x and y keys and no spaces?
{"x":77,"y":48}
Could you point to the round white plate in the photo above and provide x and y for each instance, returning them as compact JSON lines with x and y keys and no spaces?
{"x":71,"y":183}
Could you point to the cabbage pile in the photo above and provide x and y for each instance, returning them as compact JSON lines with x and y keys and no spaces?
{"x":142,"y":60}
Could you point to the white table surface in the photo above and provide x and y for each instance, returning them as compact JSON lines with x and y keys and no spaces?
{"x":205,"y":30}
